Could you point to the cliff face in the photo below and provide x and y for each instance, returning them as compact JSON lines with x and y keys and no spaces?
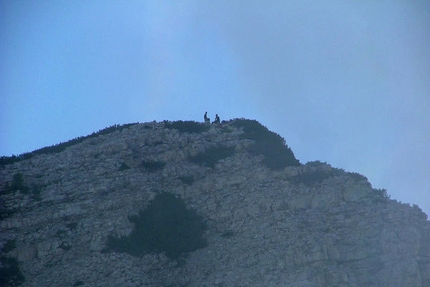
{"x":264,"y":224}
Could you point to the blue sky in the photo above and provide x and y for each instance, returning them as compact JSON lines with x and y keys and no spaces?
{"x":346,"y":82}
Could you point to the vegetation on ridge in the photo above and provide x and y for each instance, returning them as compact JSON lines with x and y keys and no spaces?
{"x":4,"y":160}
{"x":277,"y":155}
{"x":318,"y":174}
{"x":187,"y":126}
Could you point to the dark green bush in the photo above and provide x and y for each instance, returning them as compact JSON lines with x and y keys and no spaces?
{"x":152,"y":166}
{"x":9,"y":246}
{"x":166,"y":225}
{"x":17,"y":184}
{"x":277,"y":155}
{"x":227,"y":234}
{"x":65,"y":246}
{"x":187,"y":126}
{"x":316,"y":163}
{"x":123,"y":166}
{"x":4,"y":160}
{"x":36,"y":190}
{"x":5,"y":213}
{"x":356,"y":176}
{"x":72,"y":225}
{"x":10,"y":273}
{"x":384,"y":193}
{"x":212,"y":155}
{"x":315,"y":177}
{"x":187,"y":179}
{"x":380,"y":195}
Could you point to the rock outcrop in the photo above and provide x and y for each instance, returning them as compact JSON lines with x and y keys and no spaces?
{"x":266,"y":224}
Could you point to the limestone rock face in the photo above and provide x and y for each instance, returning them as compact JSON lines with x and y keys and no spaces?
{"x":300,"y":225}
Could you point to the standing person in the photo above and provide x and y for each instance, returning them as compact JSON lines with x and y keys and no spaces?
{"x":207,"y":120}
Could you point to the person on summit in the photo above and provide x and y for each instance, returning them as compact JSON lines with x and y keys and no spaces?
{"x":207,"y":120}
{"x":217,"y":120}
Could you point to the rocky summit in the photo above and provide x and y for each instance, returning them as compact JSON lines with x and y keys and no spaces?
{"x":192,"y":204}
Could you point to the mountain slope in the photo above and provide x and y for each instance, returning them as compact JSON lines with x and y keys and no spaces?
{"x":242,"y":210}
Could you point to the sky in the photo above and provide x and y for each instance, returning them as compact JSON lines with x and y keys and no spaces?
{"x":344,"y":82}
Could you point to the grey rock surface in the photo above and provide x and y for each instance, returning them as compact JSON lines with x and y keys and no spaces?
{"x":306,"y":225}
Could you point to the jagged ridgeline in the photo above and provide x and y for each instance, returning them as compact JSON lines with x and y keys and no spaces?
{"x":183,"y":203}
{"x":277,"y":154}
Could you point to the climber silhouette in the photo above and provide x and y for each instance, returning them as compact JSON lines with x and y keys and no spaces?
{"x":217,"y":120}
{"x":207,"y":120}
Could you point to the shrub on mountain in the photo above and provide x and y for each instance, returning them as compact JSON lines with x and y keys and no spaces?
{"x":277,"y":155}
{"x":380,"y":195}
{"x":166,"y":225}
{"x":186,"y":126}
{"x":10,"y":272}
{"x":123,"y":166}
{"x":189,"y":180}
{"x":212,"y":155}
{"x":17,"y":184}
{"x":152,"y":166}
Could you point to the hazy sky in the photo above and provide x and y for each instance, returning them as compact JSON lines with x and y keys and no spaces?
{"x":346,"y":82}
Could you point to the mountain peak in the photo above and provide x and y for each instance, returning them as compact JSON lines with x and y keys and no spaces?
{"x":192,"y":204}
